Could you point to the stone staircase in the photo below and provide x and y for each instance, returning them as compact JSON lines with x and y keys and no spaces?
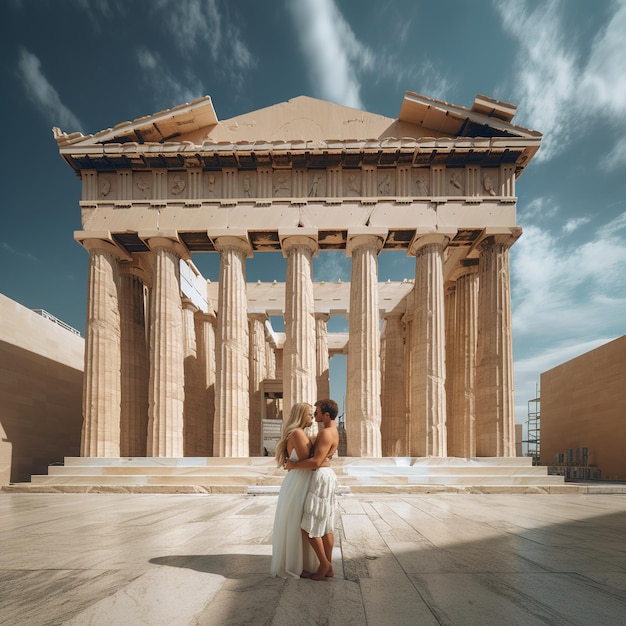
{"x":259,"y":475}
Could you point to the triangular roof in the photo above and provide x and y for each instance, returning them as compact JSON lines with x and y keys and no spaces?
{"x":305,"y":119}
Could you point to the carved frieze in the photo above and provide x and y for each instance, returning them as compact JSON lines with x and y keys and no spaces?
{"x":213,"y":183}
{"x":316,"y":183}
{"x":248,"y":185}
{"x":177,"y":184}
{"x":281,"y":184}
{"x":142,"y":187}
{"x":368,"y":182}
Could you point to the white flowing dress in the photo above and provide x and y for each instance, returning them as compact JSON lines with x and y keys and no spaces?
{"x":288,"y":556}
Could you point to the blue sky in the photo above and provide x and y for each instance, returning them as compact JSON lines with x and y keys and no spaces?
{"x":88,"y":65}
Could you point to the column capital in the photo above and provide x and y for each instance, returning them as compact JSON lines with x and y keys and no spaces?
{"x":101,"y":240}
{"x":187,"y":303}
{"x":502,"y":236}
{"x":208,"y":316}
{"x":131,"y":269}
{"x":298,"y":237}
{"x":165,"y":239}
{"x":464,"y":268}
{"x":393,"y":313}
{"x":424,"y":237}
{"x":225,"y":238}
{"x":359,"y":237}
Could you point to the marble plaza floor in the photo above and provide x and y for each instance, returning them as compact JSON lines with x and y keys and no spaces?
{"x":90,"y":559}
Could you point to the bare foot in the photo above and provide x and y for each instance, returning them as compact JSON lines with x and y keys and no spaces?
{"x":305,"y":574}
{"x":322,"y":571}
{"x":330,"y":573}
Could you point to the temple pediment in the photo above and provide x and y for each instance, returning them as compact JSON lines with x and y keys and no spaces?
{"x":309,"y":122}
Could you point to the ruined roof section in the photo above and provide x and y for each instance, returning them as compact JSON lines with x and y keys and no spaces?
{"x":486,"y":118}
{"x":305,"y":122}
{"x":157,"y":128}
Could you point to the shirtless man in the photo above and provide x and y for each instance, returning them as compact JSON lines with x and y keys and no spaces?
{"x":319,"y":509}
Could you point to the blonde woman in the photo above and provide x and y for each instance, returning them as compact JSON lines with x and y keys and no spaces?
{"x":290,"y":556}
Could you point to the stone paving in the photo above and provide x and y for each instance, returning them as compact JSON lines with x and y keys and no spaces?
{"x":466,"y":559}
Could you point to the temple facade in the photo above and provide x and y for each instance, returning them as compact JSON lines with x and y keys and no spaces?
{"x":176,"y":366}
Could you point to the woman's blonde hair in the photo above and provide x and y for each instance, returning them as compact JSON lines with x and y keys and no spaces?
{"x":298,"y":418}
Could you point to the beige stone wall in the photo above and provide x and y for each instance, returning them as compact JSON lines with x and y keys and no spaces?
{"x":41,"y":378}
{"x":583,"y":405}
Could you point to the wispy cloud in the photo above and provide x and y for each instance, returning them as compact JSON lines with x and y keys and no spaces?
{"x":334,"y":54}
{"x":18,"y":253}
{"x":616,"y":158}
{"x":567,"y":300}
{"x":101,"y":11}
{"x":341,"y":66}
{"x":563,"y":290}
{"x":331,"y":266}
{"x":539,"y":209}
{"x":168,"y":87}
{"x":546,"y":75}
{"x":198,"y":25}
{"x":556,"y":88}
{"x":43,"y":95}
{"x":574,"y":224}
{"x":194,"y":23}
{"x":603,"y":84}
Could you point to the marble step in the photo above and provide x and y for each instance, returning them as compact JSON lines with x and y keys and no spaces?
{"x":236,"y":475}
{"x":232,"y":479}
{"x":341,"y":471}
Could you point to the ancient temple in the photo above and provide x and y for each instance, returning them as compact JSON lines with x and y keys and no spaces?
{"x":175,"y":367}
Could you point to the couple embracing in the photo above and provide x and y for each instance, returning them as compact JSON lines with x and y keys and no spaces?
{"x":302,"y":541}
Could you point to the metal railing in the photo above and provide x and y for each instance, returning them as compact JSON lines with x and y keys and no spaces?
{"x":56,"y":320}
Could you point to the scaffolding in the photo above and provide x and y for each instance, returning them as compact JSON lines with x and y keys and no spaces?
{"x":533,"y":427}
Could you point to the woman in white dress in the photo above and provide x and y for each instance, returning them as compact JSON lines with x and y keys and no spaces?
{"x":290,"y":556}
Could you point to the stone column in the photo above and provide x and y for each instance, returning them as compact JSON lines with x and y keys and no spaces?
{"x":462,"y":399}
{"x":257,"y":375}
{"x":102,"y":381}
{"x":407,"y":319}
{"x":322,"y":361}
{"x":449,"y":307}
{"x":205,"y":341}
{"x":134,"y":363}
{"x":363,"y":409}
{"x":192,"y":402}
{"x":495,"y":418}
{"x":232,"y":401}
{"x":167,"y":376}
{"x":394,"y":430}
{"x":299,"y":352}
{"x":428,"y":369}
{"x":273,"y":371}
{"x":270,"y":361}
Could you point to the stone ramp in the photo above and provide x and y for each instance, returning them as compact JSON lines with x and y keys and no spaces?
{"x":259,"y":475}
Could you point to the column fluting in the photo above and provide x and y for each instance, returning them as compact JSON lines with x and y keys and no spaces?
{"x":102,"y":380}
{"x":363,"y":408}
{"x":205,"y":342}
{"x":322,"y":361}
{"x":428,"y":368}
{"x":394,"y":427}
{"x":134,"y":363}
{"x":232,"y":399}
{"x":299,"y":369}
{"x":258,"y":360}
{"x":462,"y":399}
{"x":167,"y":379}
{"x":495,"y":416}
